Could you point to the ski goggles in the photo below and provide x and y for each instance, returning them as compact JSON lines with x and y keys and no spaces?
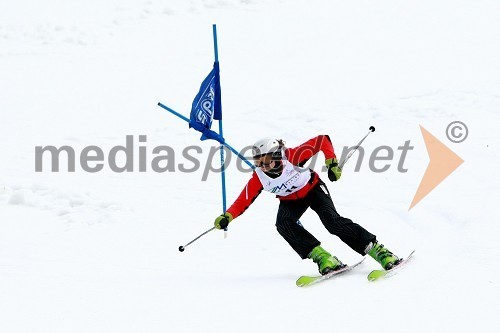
{"x":260,"y":162}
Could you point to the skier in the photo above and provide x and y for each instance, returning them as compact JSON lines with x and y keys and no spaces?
{"x":280,"y":170}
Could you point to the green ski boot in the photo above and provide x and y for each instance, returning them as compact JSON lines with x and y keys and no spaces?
{"x":382,"y":255}
{"x":326,"y":262}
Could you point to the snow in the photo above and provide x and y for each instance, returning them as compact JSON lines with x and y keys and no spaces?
{"x":97,"y":252}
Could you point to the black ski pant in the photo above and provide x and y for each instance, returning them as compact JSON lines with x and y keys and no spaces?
{"x":319,"y":200}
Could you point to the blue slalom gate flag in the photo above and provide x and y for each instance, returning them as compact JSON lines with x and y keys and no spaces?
{"x":207,"y":106}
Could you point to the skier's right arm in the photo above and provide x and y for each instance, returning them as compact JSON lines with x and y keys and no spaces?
{"x":240,"y":205}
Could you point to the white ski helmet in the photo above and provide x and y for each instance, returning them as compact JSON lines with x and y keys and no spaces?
{"x":267,"y":146}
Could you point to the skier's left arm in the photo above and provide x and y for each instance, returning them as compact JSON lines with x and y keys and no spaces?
{"x":301,"y":154}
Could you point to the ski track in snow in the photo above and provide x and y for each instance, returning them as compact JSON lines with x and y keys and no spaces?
{"x":70,"y":206}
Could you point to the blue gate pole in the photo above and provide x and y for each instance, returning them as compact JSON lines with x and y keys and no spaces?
{"x":222,"y":160}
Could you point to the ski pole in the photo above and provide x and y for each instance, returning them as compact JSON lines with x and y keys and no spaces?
{"x":182,"y":248}
{"x":341,"y":165}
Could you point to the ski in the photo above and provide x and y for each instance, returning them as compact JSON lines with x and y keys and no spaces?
{"x":305,"y":281}
{"x":380,"y":273}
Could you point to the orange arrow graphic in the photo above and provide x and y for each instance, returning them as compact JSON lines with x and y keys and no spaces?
{"x":442,"y":162}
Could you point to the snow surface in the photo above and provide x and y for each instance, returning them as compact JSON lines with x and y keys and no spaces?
{"x":97,"y":252}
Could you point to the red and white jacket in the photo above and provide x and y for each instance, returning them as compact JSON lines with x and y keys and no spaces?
{"x":295,"y":181}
